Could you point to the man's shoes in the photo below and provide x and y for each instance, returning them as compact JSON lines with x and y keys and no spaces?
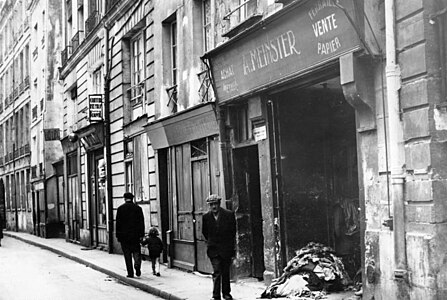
{"x":129,"y":276}
{"x":158,"y":274}
{"x":228,"y":297}
{"x":138,"y":272}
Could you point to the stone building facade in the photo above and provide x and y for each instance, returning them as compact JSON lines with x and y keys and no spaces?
{"x":316,"y":121}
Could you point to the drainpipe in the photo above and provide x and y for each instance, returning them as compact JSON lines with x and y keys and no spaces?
{"x":396,"y":144}
{"x":108,"y":156}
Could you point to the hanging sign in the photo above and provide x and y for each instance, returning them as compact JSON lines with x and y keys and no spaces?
{"x":95,"y":108}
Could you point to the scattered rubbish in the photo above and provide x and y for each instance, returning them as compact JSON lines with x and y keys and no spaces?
{"x":314,"y":271}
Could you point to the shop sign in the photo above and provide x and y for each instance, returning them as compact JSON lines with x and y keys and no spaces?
{"x":51,"y":134}
{"x":95,"y":108}
{"x":306,"y":36}
{"x":260,"y":133}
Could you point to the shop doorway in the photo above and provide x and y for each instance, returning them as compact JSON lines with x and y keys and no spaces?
{"x":98,"y":200}
{"x":74,"y":211}
{"x":248,"y":193}
{"x":320,"y":196}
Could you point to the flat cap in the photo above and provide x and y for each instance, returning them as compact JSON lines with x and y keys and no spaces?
{"x":213,"y":198}
{"x":128,"y":195}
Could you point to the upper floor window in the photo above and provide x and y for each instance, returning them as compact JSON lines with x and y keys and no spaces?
{"x":95,"y":13}
{"x":174,"y":52}
{"x":97,"y":82}
{"x":172,"y":90}
{"x":137,"y":68}
{"x":207,"y":23}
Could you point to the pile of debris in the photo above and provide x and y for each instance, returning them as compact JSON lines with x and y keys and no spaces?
{"x":314,"y":271}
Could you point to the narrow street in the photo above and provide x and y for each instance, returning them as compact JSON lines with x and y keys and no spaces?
{"x":28,"y":272}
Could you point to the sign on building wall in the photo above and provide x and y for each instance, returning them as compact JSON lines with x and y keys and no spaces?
{"x":286,"y":45}
{"x":51,"y":134}
{"x":95,"y":108}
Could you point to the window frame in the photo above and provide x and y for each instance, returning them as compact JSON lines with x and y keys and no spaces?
{"x":137,"y":68}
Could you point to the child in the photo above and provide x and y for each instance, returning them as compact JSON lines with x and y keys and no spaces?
{"x":155,"y":247}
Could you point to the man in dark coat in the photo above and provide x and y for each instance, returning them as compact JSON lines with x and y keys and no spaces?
{"x":129,"y":232}
{"x":219,"y":229}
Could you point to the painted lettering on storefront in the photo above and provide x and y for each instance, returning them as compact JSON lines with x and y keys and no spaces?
{"x":226,"y":72}
{"x":322,"y":27}
{"x":320,"y":5}
{"x":270,"y":52}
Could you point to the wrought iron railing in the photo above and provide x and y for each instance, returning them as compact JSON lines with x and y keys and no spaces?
{"x":205,"y":89}
{"x":172,"y":93}
{"x":16,"y":93}
{"x":26,"y":81}
{"x":35,"y":52}
{"x":27,"y":149}
{"x":111,"y":3}
{"x":77,"y":39}
{"x":91,"y":22}
{"x":21,"y":87}
{"x":65,"y":55}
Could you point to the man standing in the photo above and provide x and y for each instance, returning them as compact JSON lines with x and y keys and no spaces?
{"x":129,"y":231}
{"x":219,"y":229}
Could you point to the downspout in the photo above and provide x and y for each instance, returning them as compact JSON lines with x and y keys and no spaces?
{"x":107,"y":149}
{"x":396,"y":144}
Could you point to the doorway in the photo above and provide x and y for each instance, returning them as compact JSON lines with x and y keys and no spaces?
{"x":318,"y":151}
{"x":248,"y":192}
{"x":98,"y":200}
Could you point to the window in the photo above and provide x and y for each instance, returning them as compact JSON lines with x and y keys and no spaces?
{"x":207,"y":22}
{"x":137,"y":68}
{"x":128,"y":156}
{"x":174,"y":52}
{"x":172,"y":91}
{"x":72,"y":166}
{"x":97,"y":82}
{"x":129,"y":177}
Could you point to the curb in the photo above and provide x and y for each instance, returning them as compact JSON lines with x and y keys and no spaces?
{"x":132,"y":282}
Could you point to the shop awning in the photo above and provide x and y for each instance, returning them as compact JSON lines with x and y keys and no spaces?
{"x":188,"y":125}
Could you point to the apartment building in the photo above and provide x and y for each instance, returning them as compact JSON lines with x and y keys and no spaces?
{"x":45,"y":123}
{"x":107,"y":70}
{"x":15,"y":98}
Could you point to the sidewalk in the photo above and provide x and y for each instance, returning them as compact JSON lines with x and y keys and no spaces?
{"x":173,"y":284}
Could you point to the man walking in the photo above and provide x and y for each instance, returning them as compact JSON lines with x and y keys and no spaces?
{"x":129,"y":231}
{"x":219,"y":229}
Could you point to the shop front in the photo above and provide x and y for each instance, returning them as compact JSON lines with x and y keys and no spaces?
{"x":292,"y":127}
{"x":86,"y":218}
{"x":189,"y":170}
